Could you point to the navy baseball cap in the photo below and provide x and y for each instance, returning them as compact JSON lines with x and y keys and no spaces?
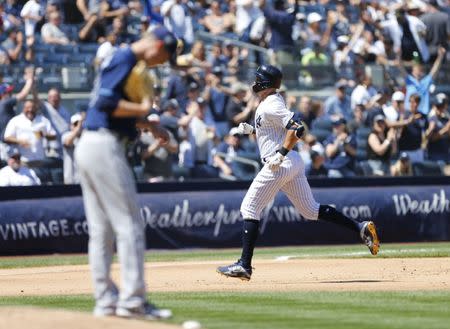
{"x":171,"y":43}
{"x":338,"y":121}
{"x":404,"y":156}
{"x":13,"y":152}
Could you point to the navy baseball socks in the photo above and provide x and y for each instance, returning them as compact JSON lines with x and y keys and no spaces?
{"x":242,"y":269}
{"x":366,"y":229}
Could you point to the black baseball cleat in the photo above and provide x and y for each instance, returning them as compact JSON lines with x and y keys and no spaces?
{"x":236,"y":270}
{"x":370,"y":237}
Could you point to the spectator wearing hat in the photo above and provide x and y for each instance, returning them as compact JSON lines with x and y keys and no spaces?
{"x":403,"y":166}
{"x":397,"y":108}
{"x":238,"y":110}
{"x":419,"y":83}
{"x":69,"y":141}
{"x":340,"y":55}
{"x":438,"y":28}
{"x":413,"y":132}
{"x":13,"y":44}
{"x":316,"y":168}
{"x":195,"y":154}
{"x":381,"y":145}
{"x":27,"y":132}
{"x":339,"y":103}
{"x":8,"y":104}
{"x":225,"y":154}
{"x":340,"y":151}
{"x":14,"y":174}
{"x":157,"y":156}
{"x":314,"y":32}
{"x":170,"y":116}
{"x":438,"y":132}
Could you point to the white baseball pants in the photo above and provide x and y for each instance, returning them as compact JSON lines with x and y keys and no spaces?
{"x":289,"y":178}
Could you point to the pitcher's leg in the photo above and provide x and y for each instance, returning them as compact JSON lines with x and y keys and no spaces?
{"x":100,"y":248}
{"x":123,"y":211}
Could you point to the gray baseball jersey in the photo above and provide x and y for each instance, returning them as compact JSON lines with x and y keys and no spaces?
{"x":271,"y":120}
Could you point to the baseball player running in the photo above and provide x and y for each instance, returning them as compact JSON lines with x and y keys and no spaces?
{"x":109,"y":191}
{"x":277,"y":133}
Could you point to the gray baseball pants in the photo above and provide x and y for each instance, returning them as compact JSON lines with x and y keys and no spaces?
{"x":110,"y":202}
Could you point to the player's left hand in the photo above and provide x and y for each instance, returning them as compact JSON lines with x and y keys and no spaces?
{"x":274,"y":162}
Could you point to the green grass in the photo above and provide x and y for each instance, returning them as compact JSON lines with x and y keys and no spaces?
{"x":338,"y":251}
{"x":216,"y":310}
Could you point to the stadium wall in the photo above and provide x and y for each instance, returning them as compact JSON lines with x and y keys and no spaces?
{"x":37,"y":220}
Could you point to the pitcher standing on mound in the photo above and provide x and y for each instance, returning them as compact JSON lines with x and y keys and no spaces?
{"x":107,"y":181}
{"x":277,"y":133}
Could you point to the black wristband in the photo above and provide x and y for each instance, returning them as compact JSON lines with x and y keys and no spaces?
{"x":283,"y":151}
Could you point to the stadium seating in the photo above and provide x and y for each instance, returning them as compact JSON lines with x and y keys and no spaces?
{"x":427,"y":168}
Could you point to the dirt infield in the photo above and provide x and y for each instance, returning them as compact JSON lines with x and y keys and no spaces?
{"x":269,"y":275}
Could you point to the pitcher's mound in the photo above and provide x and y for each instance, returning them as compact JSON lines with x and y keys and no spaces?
{"x":38,"y":318}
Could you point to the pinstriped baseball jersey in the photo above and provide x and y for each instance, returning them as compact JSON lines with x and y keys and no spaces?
{"x":271,"y":119}
{"x":272,"y":116}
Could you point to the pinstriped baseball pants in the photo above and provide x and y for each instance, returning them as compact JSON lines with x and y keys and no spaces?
{"x":289,"y":178}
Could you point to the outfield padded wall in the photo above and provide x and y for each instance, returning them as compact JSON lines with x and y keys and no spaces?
{"x":208,"y":218}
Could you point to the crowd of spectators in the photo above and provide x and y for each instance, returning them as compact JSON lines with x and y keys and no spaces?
{"x":363,"y":128}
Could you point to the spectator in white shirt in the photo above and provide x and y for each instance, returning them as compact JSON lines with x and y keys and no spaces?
{"x":69,"y":141}
{"x":363,"y":92}
{"x":31,"y":14}
{"x":106,"y":49}
{"x":14,"y":174}
{"x":177,"y":21}
{"x":51,"y":33}
{"x":397,"y":107}
{"x":27,"y":131}
{"x":59,"y":118}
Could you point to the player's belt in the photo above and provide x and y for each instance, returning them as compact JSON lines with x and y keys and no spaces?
{"x":122,"y":139}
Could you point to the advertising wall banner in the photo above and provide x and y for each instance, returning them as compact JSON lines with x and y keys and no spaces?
{"x":211,"y":219}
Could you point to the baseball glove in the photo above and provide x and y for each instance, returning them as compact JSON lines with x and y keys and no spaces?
{"x":139,"y":83}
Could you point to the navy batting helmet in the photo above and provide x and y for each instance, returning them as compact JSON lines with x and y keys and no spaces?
{"x":267,"y":76}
